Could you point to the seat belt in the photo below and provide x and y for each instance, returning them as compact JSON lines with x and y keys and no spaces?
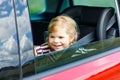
{"x":111,"y":22}
{"x":85,"y":40}
{"x":91,"y":36}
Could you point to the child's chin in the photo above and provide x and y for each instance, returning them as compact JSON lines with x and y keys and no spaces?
{"x":58,"y":49}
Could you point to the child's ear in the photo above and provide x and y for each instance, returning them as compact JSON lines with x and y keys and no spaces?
{"x":72,"y":39}
{"x":46,"y":35}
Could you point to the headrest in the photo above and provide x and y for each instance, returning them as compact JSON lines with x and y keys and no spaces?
{"x":88,"y":15}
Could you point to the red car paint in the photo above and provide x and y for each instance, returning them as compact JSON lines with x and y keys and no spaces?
{"x":105,"y":68}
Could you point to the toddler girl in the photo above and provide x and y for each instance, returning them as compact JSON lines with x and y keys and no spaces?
{"x":62,"y":33}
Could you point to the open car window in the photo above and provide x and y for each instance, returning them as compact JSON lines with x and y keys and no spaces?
{"x":81,"y":53}
{"x":52,"y":60}
{"x":75,"y":53}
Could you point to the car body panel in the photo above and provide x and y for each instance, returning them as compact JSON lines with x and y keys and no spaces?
{"x":93,"y":70}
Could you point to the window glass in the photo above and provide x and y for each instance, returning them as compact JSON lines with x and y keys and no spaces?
{"x":24,"y":37}
{"x":74,"y":53}
{"x":36,"y":6}
{"x":9,"y":54}
{"x":44,"y":8}
{"x":103,"y":3}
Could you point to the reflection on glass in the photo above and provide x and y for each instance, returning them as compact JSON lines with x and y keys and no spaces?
{"x":9,"y":59}
{"x":5,"y":8}
{"x":25,"y":35}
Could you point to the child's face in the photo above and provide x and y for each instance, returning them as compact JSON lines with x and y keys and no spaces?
{"x":59,"y":40}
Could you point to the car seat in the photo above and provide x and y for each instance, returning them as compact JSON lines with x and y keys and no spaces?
{"x":93,"y":22}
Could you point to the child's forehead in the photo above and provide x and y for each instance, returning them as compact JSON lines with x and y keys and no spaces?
{"x":59,"y":28}
{"x":59,"y":33}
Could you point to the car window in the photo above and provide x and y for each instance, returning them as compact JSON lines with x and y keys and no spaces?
{"x":78,"y":52}
{"x":75,"y":53}
{"x":100,"y":3}
{"x":41,"y":24}
{"x":9,"y":47}
{"x":45,"y":10}
{"x":36,"y":6}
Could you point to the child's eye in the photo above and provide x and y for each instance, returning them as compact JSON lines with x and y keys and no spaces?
{"x":51,"y":36}
{"x":61,"y":37}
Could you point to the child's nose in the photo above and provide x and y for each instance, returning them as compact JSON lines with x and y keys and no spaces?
{"x":56,"y":40}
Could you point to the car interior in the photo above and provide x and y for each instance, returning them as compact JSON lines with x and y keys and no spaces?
{"x":94,"y":23}
{"x":40,"y":21}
